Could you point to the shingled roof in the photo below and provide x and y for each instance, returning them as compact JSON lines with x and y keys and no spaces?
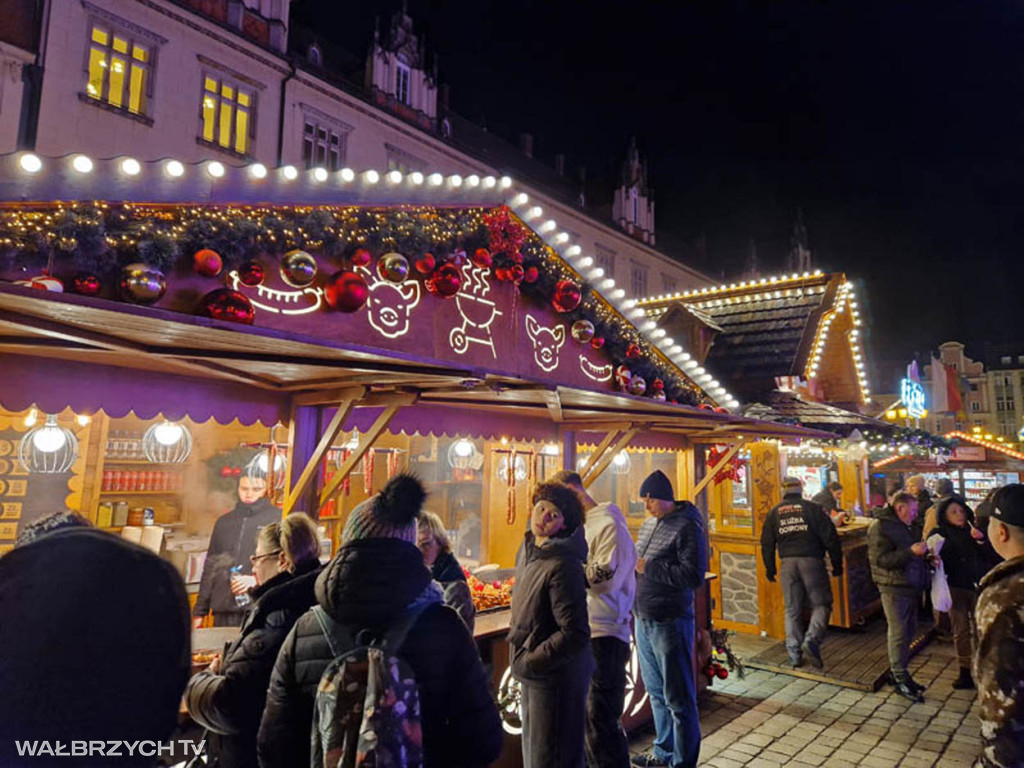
{"x":791,"y":408}
{"x":776,"y":327}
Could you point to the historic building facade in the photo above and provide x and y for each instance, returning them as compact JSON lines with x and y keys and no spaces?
{"x":196,"y":80}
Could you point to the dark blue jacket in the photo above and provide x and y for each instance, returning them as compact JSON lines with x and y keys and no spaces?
{"x":676,"y":553}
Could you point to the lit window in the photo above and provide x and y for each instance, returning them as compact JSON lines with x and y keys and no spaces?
{"x":227,"y":114}
{"x":402,"y":83}
{"x":323,"y":146}
{"x":119,"y":70}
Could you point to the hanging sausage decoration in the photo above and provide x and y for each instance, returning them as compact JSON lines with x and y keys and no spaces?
{"x":346,"y":484}
{"x":392,"y":463}
{"x":368,"y":472}
{"x":510,"y":479}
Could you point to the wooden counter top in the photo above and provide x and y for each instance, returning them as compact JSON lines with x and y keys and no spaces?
{"x":856,"y":529}
{"x":493,"y":623}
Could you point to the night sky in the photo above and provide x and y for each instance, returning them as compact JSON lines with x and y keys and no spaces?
{"x":898,"y":129}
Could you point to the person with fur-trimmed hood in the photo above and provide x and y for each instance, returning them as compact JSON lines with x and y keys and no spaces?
{"x":376,"y":577}
{"x":549,"y":636}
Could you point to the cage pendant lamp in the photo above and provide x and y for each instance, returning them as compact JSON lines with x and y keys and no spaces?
{"x":48,"y":449}
{"x":167,"y":442}
{"x":269,"y":465}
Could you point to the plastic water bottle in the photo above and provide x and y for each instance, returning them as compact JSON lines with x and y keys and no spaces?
{"x":240,"y":600}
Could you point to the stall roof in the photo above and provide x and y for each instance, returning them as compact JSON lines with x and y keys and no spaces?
{"x":229,"y":365}
{"x":792,"y":408}
{"x":1006,"y":456}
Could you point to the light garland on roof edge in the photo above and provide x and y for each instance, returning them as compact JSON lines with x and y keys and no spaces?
{"x":769,"y":282}
{"x":844,"y":297}
{"x":547,"y":229}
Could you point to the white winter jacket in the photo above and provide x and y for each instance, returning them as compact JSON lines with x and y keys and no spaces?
{"x":610,"y":571}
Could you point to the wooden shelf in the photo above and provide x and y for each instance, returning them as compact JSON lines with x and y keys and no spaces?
{"x":145,"y":463}
{"x":140,"y":493}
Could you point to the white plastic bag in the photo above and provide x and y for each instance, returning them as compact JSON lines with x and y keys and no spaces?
{"x":942,"y":600}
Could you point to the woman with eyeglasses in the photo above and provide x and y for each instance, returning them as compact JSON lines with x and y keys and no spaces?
{"x":228,"y":698}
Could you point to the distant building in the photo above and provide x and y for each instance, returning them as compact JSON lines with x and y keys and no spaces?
{"x":993,"y":399}
{"x":237,"y":81}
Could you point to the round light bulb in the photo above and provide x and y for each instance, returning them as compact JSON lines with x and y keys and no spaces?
{"x":435,"y":179}
{"x":416,"y":178}
{"x":174,"y":168}
{"x":347,"y":174}
{"x":82,"y":163}
{"x":290,"y":172}
{"x":258,"y":171}
{"x":168,"y":433}
{"x":131,"y":166}
{"x":49,"y":438}
{"x":395,"y":177}
{"x":620,"y":459}
{"x":30,"y":163}
{"x":464,"y":449}
{"x":320,"y":174}
{"x":372,"y":177}
{"x":215,"y":169}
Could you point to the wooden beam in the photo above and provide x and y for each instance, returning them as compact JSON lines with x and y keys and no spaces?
{"x":365,"y":443}
{"x":313,"y":465}
{"x":609,"y":456}
{"x":594,"y":457}
{"x":328,"y":397}
{"x":554,"y":403}
{"x":712,"y":471}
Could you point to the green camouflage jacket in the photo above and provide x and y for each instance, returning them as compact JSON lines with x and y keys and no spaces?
{"x":999,"y":664}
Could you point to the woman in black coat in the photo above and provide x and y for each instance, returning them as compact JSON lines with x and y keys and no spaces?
{"x":377,"y":575}
{"x":549,"y":637}
{"x":962,"y":558}
{"x":228,"y":698}
{"x":432,"y":541}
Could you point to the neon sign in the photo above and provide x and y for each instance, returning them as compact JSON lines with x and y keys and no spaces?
{"x":912,"y":394}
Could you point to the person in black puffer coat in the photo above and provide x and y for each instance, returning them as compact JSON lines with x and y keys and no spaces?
{"x":377,"y":575}
{"x":228,"y":698}
{"x":432,"y":540}
{"x":95,"y":639}
{"x":961,"y":554}
{"x":549,"y":637}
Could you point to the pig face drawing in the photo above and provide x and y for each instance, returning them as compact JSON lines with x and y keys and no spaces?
{"x":389,"y":305}
{"x":546,"y":343}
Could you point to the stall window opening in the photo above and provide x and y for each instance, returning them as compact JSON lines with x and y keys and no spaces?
{"x":119,"y":70}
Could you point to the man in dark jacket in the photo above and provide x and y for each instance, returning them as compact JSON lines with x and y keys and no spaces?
{"x":900,"y":571}
{"x":828,"y":498}
{"x":95,"y":643}
{"x":373,"y":581}
{"x":803,"y":533}
{"x":232,"y":544}
{"x":673,"y":560}
{"x":549,"y":636}
{"x":999,"y":658}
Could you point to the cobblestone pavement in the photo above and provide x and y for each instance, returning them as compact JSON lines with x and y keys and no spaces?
{"x":768,"y":720}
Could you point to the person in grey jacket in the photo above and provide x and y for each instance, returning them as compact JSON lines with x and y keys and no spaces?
{"x":549,"y":637}
{"x":673,"y":560}
{"x":900,"y":571}
{"x":803,"y":533}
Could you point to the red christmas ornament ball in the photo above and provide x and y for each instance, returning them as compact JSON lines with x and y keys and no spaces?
{"x":227,"y":304}
{"x":251,"y":274}
{"x":567,"y":296}
{"x":597,"y":342}
{"x":518,"y":273}
{"x":445,"y":282}
{"x":225,"y":471}
{"x":503,"y":273}
{"x":482,"y":258}
{"x":85,"y":284}
{"x":632,"y":351}
{"x":530,"y":274}
{"x":207,"y":262}
{"x":517,"y":257}
{"x":706,"y":407}
{"x":657,"y":385}
{"x":425,"y":263}
{"x":346,"y":291}
{"x":361,"y":258}
{"x":721,"y":672}
{"x":720,"y":409}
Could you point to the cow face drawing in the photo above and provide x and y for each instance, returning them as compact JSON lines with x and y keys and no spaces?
{"x":546,"y":343}
{"x":389,"y":305}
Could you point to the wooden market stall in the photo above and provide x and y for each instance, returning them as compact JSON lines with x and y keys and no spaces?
{"x":790,"y":347}
{"x":325,"y":340}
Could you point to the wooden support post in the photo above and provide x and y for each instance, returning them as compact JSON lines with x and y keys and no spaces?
{"x":569,"y":450}
{"x":596,"y":455}
{"x":326,"y":439}
{"x":365,"y":443}
{"x":712,"y":471}
{"x":609,"y":456}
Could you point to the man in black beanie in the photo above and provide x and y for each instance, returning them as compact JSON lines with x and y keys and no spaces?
{"x":673,"y":558}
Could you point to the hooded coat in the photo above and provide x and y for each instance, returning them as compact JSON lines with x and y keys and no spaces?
{"x":369,"y":585}
{"x":961,"y":554}
{"x":95,"y":641}
{"x":610,"y":571}
{"x":231,"y":703}
{"x":893,"y":566}
{"x":232,"y":542}
{"x":549,"y":635}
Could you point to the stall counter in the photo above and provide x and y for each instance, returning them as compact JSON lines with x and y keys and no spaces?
{"x":855,"y":596}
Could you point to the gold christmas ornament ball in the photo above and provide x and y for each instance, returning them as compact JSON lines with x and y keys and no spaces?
{"x":298,"y":269}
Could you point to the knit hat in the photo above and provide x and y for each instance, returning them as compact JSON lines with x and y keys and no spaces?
{"x":792,"y":485}
{"x":391,"y":514}
{"x":1008,"y":505}
{"x":657,"y":486}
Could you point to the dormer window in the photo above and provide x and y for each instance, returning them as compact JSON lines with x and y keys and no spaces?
{"x":402,"y":82}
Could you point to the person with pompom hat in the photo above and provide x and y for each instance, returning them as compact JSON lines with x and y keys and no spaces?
{"x":375,"y":578}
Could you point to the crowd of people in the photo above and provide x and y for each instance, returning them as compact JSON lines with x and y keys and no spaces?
{"x":373,"y":653}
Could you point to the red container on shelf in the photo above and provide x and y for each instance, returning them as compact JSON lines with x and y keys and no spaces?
{"x":131,"y":480}
{"x":117,"y":480}
{"x":105,"y":486}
